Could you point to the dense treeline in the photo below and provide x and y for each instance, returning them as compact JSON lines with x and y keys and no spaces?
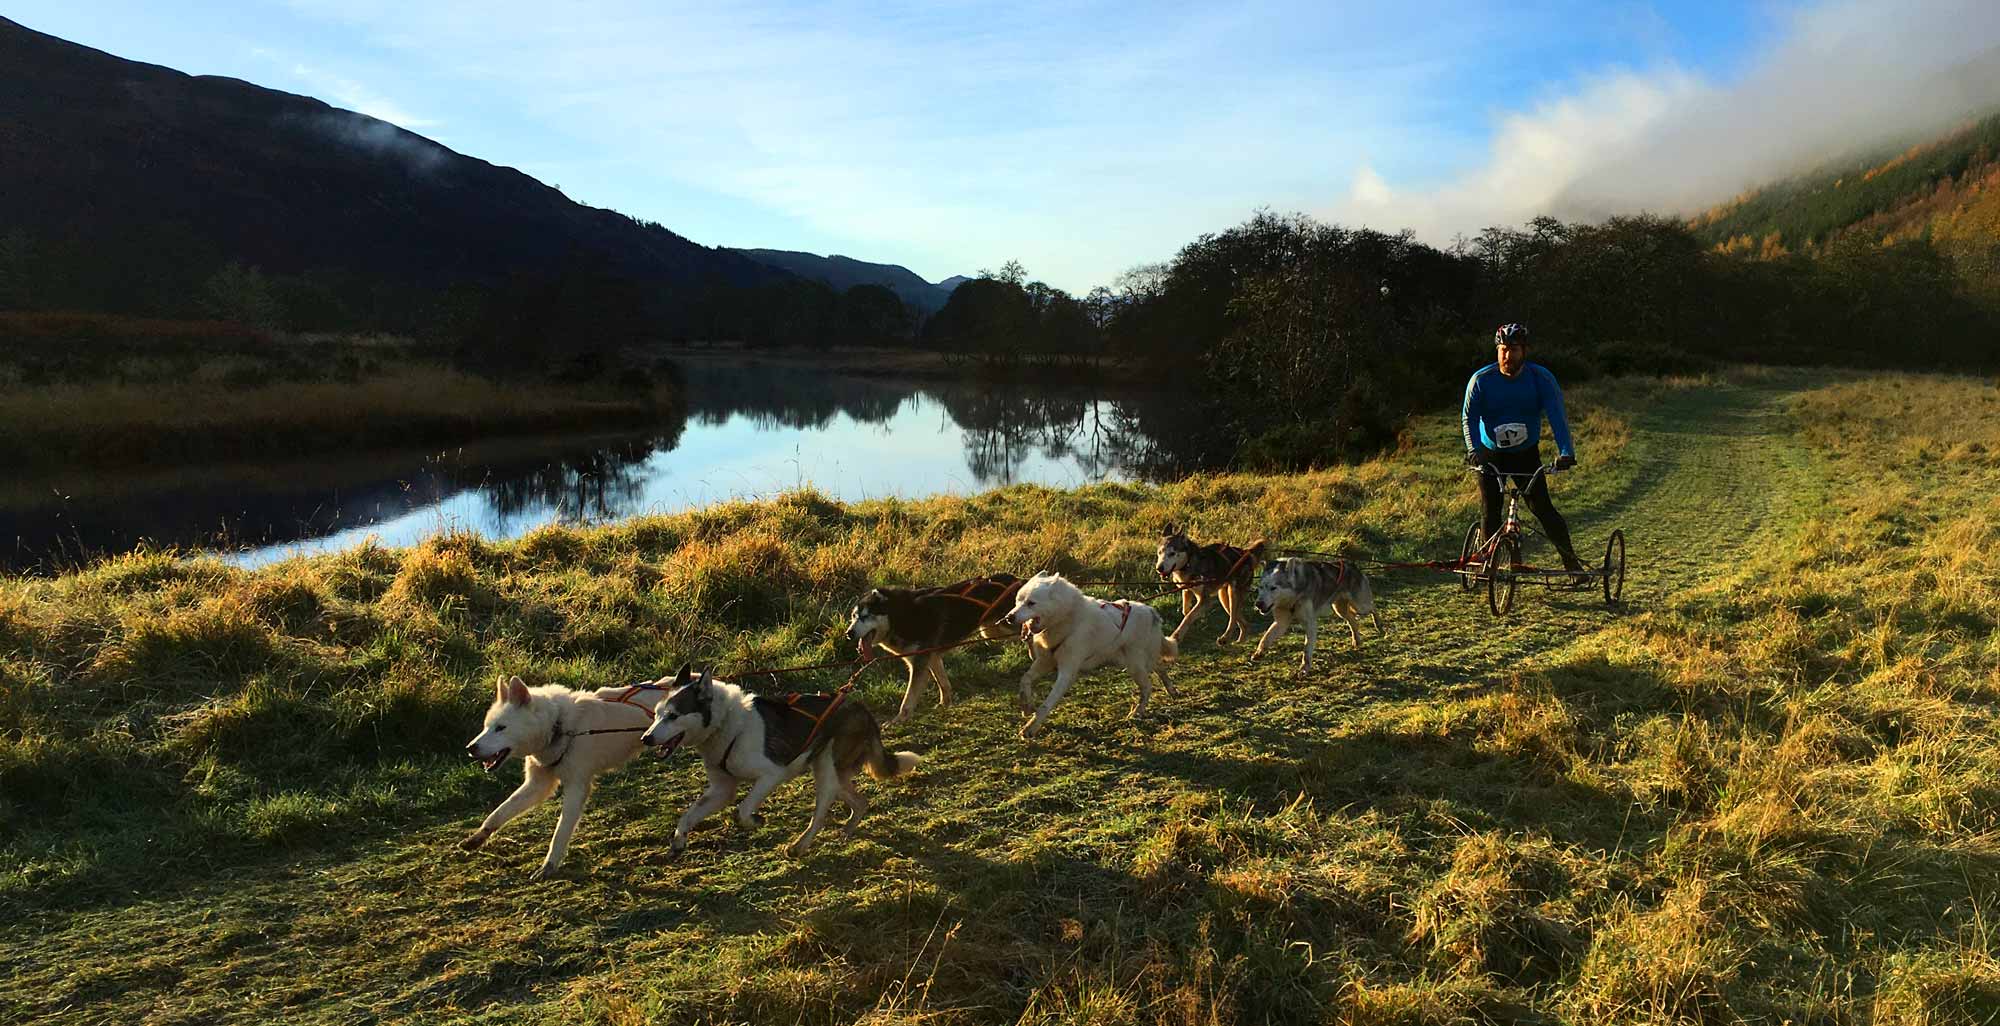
{"x":1295,"y":341}
{"x":570,"y":322}
{"x":1000,"y":318}
{"x":1307,"y":342}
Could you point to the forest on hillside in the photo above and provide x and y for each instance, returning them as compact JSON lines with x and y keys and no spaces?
{"x":1944,"y":193}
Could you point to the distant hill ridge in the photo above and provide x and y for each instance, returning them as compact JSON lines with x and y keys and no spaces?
{"x":843,"y":273}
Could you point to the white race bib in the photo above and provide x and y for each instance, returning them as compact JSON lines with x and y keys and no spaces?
{"x":1510,"y":436}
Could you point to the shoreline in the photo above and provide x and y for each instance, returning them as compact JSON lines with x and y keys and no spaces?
{"x":885,"y":362}
{"x":114,"y":426}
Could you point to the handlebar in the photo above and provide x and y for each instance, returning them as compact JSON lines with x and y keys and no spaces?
{"x":1546,"y":469}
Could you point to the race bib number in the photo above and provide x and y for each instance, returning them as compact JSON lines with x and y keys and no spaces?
{"x":1510,"y":436}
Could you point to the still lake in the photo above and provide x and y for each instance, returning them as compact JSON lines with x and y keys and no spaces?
{"x":751,"y":431}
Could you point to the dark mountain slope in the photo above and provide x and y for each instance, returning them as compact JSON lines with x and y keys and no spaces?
{"x":156,"y":169}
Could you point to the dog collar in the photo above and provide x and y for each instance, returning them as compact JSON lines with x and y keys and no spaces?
{"x":556,"y":734}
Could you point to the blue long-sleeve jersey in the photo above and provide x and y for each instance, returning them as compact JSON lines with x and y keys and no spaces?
{"x":1505,"y":414}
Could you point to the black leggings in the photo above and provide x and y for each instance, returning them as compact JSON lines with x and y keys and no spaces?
{"x":1524,"y":463}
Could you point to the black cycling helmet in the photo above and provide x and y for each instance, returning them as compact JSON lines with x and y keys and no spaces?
{"x":1511,"y":335}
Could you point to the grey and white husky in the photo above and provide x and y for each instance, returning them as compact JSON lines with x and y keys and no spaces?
{"x":1303,"y":589}
{"x":766,"y":741}
{"x":566,"y":738}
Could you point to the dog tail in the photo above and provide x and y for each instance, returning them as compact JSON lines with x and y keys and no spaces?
{"x":1256,"y":551}
{"x":884,"y":764}
{"x":1169,"y":649}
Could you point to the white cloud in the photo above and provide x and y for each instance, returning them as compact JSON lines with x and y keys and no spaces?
{"x":1081,"y":139}
{"x":1842,"y":77}
{"x":345,"y":92}
{"x":1534,"y":157}
{"x":1085,"y":138}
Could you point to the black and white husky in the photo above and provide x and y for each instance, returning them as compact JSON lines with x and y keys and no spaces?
{"x":908,"y":619}
{"x":766,"y":741}
{"x":1303,"y":589}
{"x":1071,"y":633}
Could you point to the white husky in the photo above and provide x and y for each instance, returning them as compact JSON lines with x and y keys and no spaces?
{"x":768,"y":740}
{"x":1071,"y":633}
{"x":550,"y":728}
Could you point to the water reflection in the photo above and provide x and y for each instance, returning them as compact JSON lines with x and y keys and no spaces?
{"x":750,"y":431}
{"x":999,"y":431}
{"x":799,"y":398}
{"x":589,"y":483}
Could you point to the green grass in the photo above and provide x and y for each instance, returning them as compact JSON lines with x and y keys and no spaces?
{"x":1767,"y":790}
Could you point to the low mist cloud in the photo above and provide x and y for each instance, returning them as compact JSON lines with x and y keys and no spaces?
{"x":380,"y":138}
{"x":1842,"y":79}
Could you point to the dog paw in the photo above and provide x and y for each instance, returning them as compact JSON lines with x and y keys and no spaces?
{"x":475,"y":840}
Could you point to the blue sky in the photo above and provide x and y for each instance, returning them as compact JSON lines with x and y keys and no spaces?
{"x":1081,"y":139}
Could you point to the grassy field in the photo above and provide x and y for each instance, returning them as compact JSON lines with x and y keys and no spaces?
{"x":109,"y":424}
{"x":84,"y":390}
{"x":1766,"y":790}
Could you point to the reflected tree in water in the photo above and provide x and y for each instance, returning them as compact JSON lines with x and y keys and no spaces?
{"x":1002,"y":428}
{"x":798,"y":398}
{"x":589,"y":485}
